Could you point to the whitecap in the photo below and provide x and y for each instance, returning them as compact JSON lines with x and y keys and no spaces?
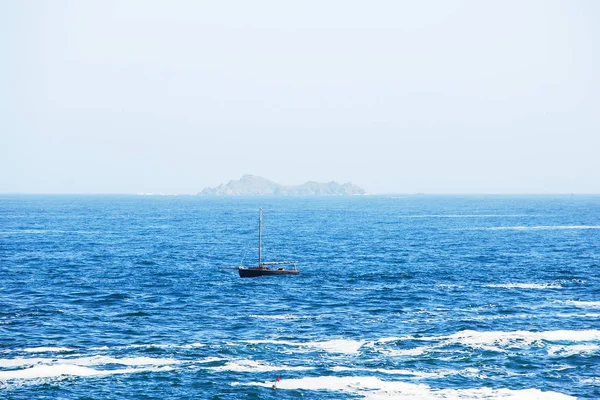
{"x":393,"y":339}
{"x":88,"y":361}
{"x":21,"y":362}
{"x":586,"y":315}
{"x":256,"y":366}
{"x":371,"y":387}
{"x":519,"y":338}
{"x":344,"y":346}
{"x":46,"y":349}
{"x":584,"y":304}
{"x":418,"y":374}
{"x":339,"y":345}
{"x":132,"y":361}
{"x":448,"y":286}
{"x":57,"y":370}
{"x":525,"y":285}
{"x":153,"y":345}
{"x":416,"y":351}
{"x":594,"y":381}
{"x":191,"y":345}
{"x":275,"y":317}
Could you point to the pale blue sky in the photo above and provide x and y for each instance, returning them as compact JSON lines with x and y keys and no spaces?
{"x":395,"y":96}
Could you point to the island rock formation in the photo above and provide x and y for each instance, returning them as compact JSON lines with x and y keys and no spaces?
{"x":250,"y":185}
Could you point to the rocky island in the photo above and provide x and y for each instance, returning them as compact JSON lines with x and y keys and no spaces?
{"x":250,"y":185}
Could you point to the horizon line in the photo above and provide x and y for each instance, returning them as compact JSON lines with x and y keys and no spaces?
{"x":318,"y":195}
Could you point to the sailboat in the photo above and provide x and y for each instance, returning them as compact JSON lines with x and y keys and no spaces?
{"x":264,"y":268}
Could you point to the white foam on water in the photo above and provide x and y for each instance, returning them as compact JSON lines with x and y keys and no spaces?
{"x":20,"y":362}
{"x":131,"y":361}
{"x":88,"y":361}
{"x":46,"y":349}
{"x":339,"y":345}
{"x":417,"y":351}
{"x":525,"y":285}
{"x":100,"y":348}
{"x":344,"y":346}
{"x":523,"y":338}
{"x":146,"y":345}
{"x":594,"y":381}
{"x":191,"y":345}
{"x":566,"y":351}
{"x":209,"y":360}
{"x":57,"y":370}
{"x":584,"y":304}
{"x":374,"y":388}
{"x":448,"y":286}
{"x":586,"y":315}
{"x":255,"y":366}
{"x":151,"y":345}
{"x":417,"y":374}
{"x":496,"y":341}
{"x":281,"y":317}
{"x":393,"y":339}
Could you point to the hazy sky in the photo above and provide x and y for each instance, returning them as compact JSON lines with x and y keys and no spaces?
{"x":395,"y":96}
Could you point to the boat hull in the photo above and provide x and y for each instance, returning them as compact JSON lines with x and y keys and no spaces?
{"x":254,"y":272}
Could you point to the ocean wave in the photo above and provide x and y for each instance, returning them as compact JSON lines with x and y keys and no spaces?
{"x":583,"y":304}
{"x":567,"y":351}
{"x":496,"y":341}
{"x":525,"y":285}
{"x":57,"y":370}
{"x":87,"y":361}
{"x":448,"y":286}
{"x":416,"y":351}
{"x":394,"y":339}
{"x":370,"y":387}
{"x":594,"y":381}
{"x":564,"y":315}
{"x":46,"y":350}
{"x":282,"y":317}
{"x":256,"y":366}
{"x":50,"y":349}
{"x":345,"y":346}
{"x":468,"y":372}
{"x":151,"y":345}
{"x":474,"y":337}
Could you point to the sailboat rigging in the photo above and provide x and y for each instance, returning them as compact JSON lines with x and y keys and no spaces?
{"x":263,"y":267}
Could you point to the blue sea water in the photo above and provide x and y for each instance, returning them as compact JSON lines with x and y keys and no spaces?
{"x":428,"y":297}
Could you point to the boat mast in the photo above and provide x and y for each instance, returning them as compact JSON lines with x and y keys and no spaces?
{"x":259,"y":236}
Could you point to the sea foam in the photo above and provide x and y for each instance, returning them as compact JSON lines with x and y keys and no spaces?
{"x":584,"y":304}
{"x":87,"y":361}
{"x":57,"y":370}
{"x":47,"y":349}
{"x":256,"y":366}
{"x":567,"y":351}
{"x":374,"y":388}
{"x":470,"y":337}
{"x":344,"y":346}
{"x":552,"y":285}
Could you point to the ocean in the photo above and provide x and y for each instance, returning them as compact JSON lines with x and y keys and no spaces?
{"x":399,"y":297}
